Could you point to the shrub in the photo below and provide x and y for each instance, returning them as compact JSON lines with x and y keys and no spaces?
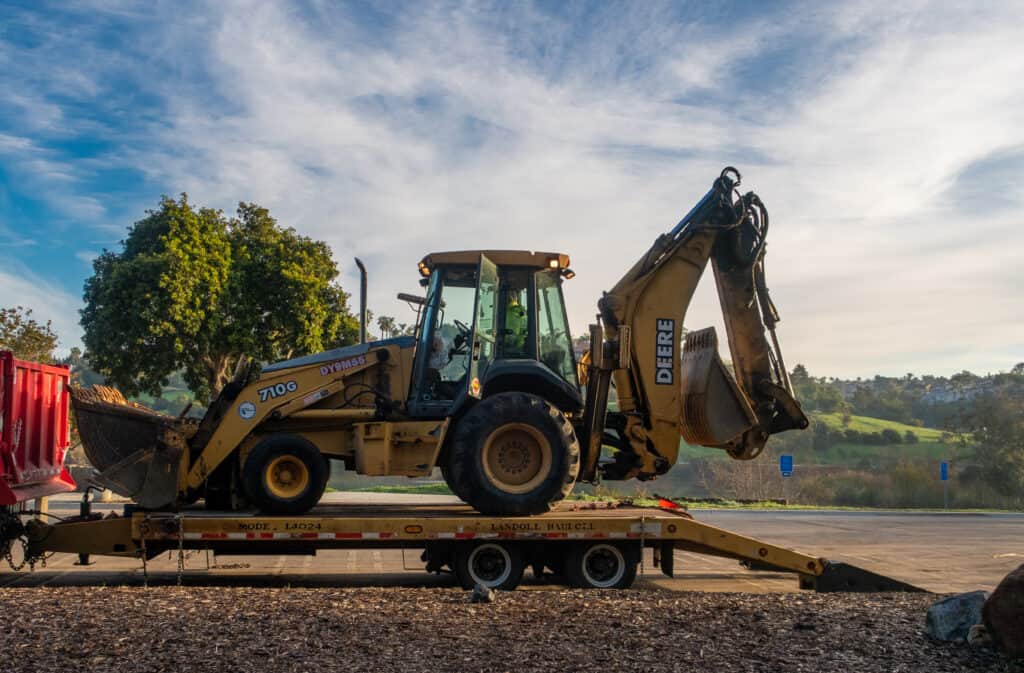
{"x":890,"y":436}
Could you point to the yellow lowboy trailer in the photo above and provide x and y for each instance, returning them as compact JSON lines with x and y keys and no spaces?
{"x":586,"y":546}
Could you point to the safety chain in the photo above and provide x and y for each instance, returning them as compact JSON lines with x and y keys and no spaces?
{"x":143,"y":532}
{"x":643,"y":539}
{"x":10,"y":556}
{"x":181,"y":547}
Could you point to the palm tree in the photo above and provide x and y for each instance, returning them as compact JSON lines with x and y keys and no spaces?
{"x":386,"y":325}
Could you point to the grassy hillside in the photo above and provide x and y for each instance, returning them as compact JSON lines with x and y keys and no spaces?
{"x":868,"y":424}
{"x":928,"y":447}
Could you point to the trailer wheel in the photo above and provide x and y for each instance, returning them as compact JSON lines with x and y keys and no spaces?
{"x":493,"y":564}
{"x":513,"y":453}
{"x":601,"y":565}
{"x":285,"y":474}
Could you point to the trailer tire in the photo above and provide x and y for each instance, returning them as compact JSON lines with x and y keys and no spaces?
{"x":285,"y":474}
{"x":495,"y":565}
{"x":513,"y":454}
{"x":601,"y":565}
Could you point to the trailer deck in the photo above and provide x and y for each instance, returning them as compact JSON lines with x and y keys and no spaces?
{"x":451,"y":536}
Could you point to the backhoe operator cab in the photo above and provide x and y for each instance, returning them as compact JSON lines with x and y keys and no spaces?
{"x":492,"y":322}
{"x":494,"y":354}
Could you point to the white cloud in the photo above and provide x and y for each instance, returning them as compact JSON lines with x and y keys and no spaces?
{"x":86,"y":256}
{"x":19,"y":286}
{"x":482,"y":126}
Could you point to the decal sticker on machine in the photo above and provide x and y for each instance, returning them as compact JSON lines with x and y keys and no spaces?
{"x":342,"y":365}
{"x":277,"y":390}
{"x":665,"y":350}
{"x":315,"y":397}
{"x":247,"y":410}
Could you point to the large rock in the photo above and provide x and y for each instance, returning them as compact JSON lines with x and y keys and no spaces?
{"x":1004,"y":613}
{"x":952,"y":617}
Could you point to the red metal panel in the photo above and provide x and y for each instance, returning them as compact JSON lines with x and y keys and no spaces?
{"x":33,"y":429}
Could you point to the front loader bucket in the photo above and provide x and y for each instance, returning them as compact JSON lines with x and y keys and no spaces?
{"x":137,"y":451}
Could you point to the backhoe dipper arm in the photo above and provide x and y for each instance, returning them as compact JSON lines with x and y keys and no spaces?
{"x":665,"y":391}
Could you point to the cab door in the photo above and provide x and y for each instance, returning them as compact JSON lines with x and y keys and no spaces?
{"x":485,"y":325}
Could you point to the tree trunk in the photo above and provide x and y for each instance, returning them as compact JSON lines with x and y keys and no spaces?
{"x":216,"y":373}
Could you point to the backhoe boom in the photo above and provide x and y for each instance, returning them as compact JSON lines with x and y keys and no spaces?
{"x":665,"y":389}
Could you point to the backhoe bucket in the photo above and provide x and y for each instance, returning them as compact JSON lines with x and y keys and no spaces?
{"x":714,"y":411}
{"x":138,"y":452}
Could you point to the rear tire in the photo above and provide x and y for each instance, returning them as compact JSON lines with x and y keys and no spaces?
{"x":285,"y":474}
{"x":513,"y":454}
{"x":601,"y":565}
{"x":495,"y":565}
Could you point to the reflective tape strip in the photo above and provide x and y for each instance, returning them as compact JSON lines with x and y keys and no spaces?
{"x":289,"y":536}
{"x":636,"y":532}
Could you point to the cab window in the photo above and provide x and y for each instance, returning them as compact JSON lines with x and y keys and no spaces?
{"x":515,"y":329}
{"x":448,"y":335}
{"x":554,"y":345}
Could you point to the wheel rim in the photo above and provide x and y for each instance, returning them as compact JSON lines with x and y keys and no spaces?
{"x":516,"y":458}
{"x":603,"y":566}
{"x":489,"y":565}
{"x":286,"y":477}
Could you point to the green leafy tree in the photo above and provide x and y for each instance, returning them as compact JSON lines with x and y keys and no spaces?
{"x":23,"y":335}
{"x":997,"y":429}
{"x":193,"y":291}
{"x":283,"y":299}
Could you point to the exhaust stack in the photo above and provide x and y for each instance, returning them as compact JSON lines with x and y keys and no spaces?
{"x":362,"y":301}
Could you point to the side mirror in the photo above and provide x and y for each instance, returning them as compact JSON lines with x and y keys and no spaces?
{"x":412,"y":298}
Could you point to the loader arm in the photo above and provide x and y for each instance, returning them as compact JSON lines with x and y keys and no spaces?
{"x":667,"y":390}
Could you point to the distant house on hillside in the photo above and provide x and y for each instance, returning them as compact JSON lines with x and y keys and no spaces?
{"x":949,"y":392}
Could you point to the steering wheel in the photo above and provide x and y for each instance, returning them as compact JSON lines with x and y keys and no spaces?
{"x":463,"y":327}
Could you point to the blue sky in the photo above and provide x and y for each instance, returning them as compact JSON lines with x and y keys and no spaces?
{"x":885,"y":138}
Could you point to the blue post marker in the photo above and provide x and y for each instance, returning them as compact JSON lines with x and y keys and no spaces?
{"x":786,"y":468}
{"x":944,"y":476}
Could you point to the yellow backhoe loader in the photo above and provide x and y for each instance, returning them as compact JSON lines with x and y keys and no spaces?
{"x":487,"y":389}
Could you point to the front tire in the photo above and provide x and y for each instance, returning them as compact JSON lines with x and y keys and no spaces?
{"x":285,"y":474}
{"x":513,"y":454}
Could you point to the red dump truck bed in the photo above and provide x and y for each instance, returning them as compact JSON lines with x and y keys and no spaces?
{"x":33,"y":430}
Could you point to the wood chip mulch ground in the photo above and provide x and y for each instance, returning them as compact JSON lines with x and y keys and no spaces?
{"x":409,"y":630}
